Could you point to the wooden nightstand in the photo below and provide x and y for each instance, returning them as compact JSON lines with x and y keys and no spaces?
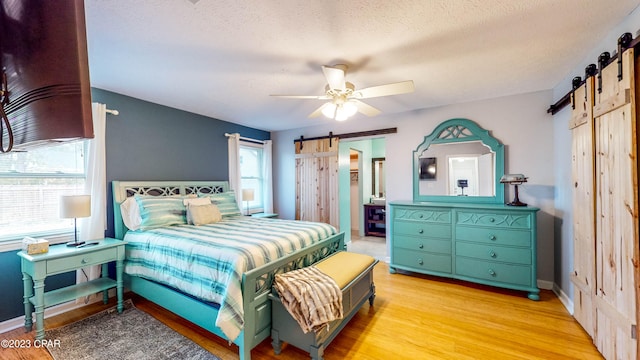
{"x":60,"y":259}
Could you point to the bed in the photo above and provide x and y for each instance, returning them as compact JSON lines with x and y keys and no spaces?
{"x":239,"y":310}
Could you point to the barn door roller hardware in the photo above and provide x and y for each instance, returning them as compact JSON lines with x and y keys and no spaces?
{"x":348,"y":135}
{"x":575,"y":84}
{"x":603,"y":60}
{"x":625,"y":41}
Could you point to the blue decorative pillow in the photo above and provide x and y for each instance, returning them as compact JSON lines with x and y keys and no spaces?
{"x":159,"y":211}
{"x":226,"y":203}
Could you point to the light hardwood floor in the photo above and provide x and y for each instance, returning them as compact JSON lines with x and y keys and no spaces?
{"x":414,"y":317}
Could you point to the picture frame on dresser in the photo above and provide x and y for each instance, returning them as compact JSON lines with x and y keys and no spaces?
{"x":476,"y":238}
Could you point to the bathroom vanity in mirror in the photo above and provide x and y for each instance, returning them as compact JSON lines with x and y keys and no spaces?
{"x":463,"y":229}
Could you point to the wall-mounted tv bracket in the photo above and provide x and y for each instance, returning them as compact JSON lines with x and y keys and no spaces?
{"x":575,"y":84}
{"x":4,"y":119}
{"x":623,"y":43}
{"x":603,"y":60}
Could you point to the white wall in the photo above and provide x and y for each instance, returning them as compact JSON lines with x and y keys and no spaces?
{"x":562,"y":152}
{"x":520,"y":122}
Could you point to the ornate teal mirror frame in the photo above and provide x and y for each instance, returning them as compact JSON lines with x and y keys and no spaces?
{"x":451,"y":132}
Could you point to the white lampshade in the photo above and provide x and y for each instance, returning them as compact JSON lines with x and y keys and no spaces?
{"x":75,"y":206}
{"x":247,"y":194}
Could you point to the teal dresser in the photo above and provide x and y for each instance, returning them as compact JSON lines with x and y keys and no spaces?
{"x":491,"y":244}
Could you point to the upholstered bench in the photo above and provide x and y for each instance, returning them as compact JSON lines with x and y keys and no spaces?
{"x":354,"y":275}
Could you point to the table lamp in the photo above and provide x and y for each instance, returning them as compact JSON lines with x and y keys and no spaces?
{"x":75,"y":206}
{"x":515,"y":180}
{"x":247,"y":195}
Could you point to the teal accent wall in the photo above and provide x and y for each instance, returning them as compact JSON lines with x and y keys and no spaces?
{"x":146,"y":141}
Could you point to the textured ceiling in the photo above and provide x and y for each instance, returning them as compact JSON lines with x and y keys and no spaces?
{"x":223,"y":58}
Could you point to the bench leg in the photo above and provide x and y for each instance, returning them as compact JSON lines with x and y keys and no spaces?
{"x":373,"y":294}
{"x":316,"y":352}
{"x":276,"y":343}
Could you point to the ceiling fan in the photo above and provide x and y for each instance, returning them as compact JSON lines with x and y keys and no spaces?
{"x":344,"y":98}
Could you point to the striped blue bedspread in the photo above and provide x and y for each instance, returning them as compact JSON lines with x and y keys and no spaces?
{"x":208,"y":261}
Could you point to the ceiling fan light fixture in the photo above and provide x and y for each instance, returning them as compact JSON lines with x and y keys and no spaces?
{"x":329,"y":110}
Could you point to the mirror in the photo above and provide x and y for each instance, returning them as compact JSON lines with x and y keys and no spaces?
{"x":459,"y":162}
{"x":377,"y":174}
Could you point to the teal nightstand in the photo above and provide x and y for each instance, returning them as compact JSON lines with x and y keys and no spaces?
{"x":61,"y":259}
{"x":264,"y":215}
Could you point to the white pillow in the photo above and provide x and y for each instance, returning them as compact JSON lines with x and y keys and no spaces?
{"x":197,"y":201}
{"x":130,"y":212}
{"x":203,"y":214}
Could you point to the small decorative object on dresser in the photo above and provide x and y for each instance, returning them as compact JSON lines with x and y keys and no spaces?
{"x":475,"y":237}
{"x":515,"y":180}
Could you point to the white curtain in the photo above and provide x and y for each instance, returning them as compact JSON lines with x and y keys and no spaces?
{"x":235,"y":181}
{"x":267,"y":175}
{"x":93,"y":227}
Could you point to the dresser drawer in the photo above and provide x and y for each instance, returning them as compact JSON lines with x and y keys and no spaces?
{"x":512,"y":220}
{"x":504,"y":273}
{"x":441,"y":216}
{"x":441,"y":246}
{"x":421,"y":261}
{"x":81,"y":260}
{"x":494,"y":236}
{"x":494,"y":253}
{"x":422,"y":229}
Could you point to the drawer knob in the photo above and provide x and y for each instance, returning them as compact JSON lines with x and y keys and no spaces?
{"x":420,"y":231}
{"x":492,"y":237}
{"x":492,"y":253}
{"x":491,"y":272}
{"x":421,"y":246}
{"x":420,"y":261}
{"x":84,"y":261}
{"x":421,"y":216}
{"x":492,"y":220}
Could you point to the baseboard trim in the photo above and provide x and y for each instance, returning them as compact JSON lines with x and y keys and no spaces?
{"x":564,"y":299}
{"x":545,"y":285}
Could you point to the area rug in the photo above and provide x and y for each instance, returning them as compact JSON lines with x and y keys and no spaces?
{"x":133,"y":334}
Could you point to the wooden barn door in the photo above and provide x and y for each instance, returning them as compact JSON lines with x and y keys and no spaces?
{"x":317,"y":181}
{"x":584,"y":241}
{"x":616,"y":212}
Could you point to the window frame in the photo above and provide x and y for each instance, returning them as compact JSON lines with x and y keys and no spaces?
{"x":253,"y":207}
{"x":55,"y":234}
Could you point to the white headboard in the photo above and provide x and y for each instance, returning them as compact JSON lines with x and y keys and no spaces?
{"x":124,"y":189}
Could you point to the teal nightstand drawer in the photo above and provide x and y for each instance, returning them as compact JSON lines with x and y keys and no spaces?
{"x":494,"y":253}
{"x":441,"y":246}
{"x":422,"y":229}
{"x":442,"y":216}
{"x":421,"y":260}
{"x":510,"y":220}
{"x":494,"y":236}
{"x":504,"y":273}
{"x":81,"y":260}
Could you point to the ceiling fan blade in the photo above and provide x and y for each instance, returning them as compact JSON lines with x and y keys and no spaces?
{"x":316,"y":97}
{"x":366,"y":108}
{"x":402,"y":87}
{"x":318,"y":111}
{"x":335,"y":77}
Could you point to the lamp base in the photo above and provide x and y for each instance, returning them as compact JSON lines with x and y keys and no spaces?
{"x":74,"y":243}
{"x":516,"y":203}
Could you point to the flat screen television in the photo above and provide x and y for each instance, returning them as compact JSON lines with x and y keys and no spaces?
{"x":46,"y":95}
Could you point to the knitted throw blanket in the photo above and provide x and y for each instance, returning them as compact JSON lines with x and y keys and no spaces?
{"x":311,"y":297}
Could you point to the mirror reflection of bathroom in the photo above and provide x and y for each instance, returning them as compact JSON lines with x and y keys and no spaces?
{"x":367,"y":197}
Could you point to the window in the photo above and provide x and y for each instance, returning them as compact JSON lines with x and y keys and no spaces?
{"x":251,"y":174}
{"x":31,"y":184}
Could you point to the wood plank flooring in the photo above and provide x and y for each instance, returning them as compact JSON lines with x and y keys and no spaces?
{"x":414,"y":317}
